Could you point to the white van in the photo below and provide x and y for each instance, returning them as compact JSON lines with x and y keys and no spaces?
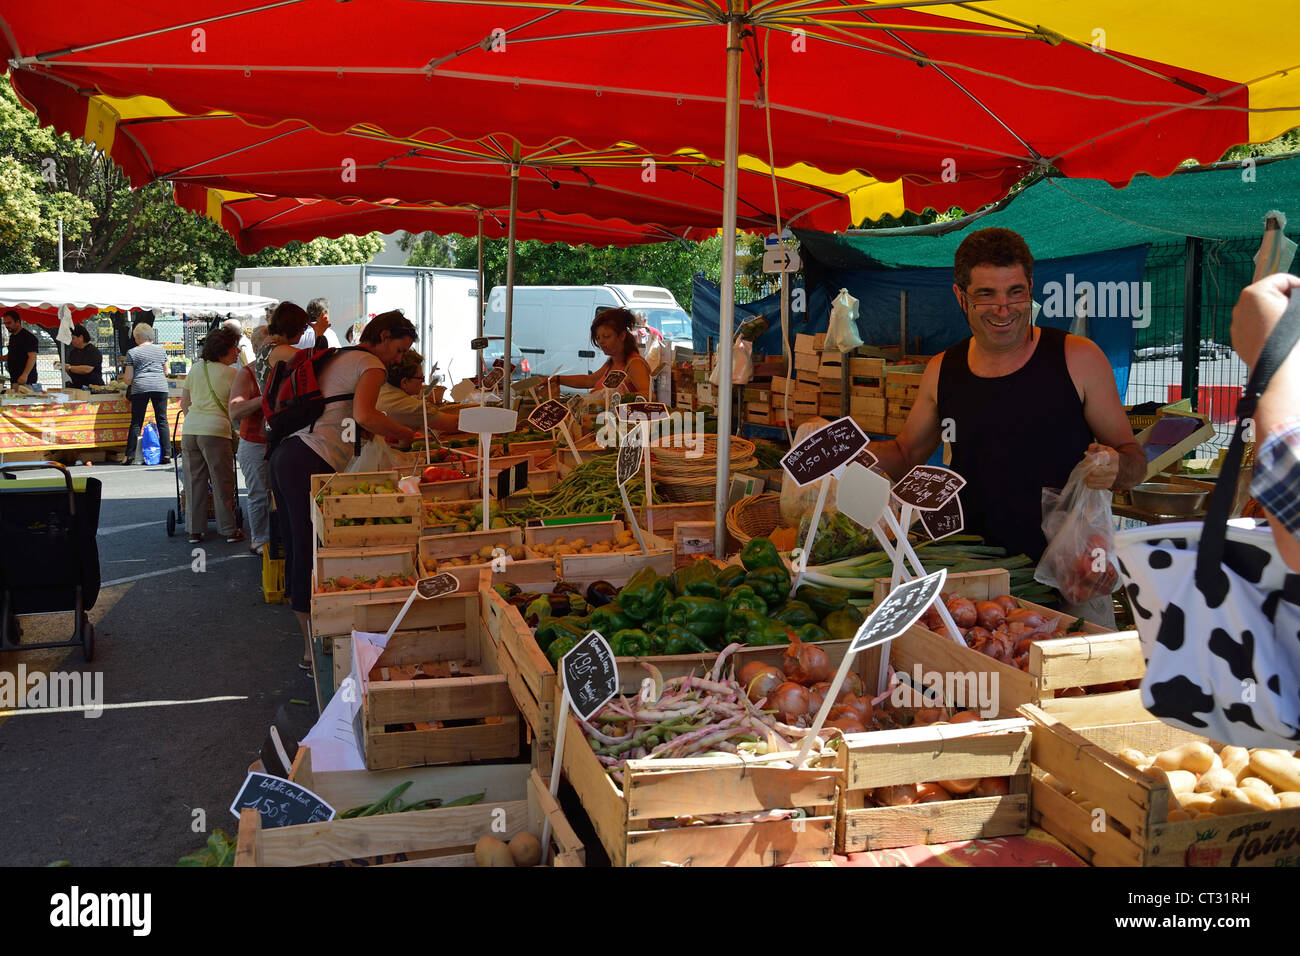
{"x":551,"y":328}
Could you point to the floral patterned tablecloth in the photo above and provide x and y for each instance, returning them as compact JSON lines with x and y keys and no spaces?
{"x":57,"y":426}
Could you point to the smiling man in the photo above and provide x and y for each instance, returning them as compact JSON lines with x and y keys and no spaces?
{"x":1020,"y":405}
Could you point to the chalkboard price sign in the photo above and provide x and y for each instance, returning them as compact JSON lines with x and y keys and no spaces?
{"x":642,"y":411}
{"x":512,"y":479}
{"x":629,"y":456}
{"x":493,"y":378}
{"x":899,"y":611}
{"x":279,"y":802}
{"x":436,"y":586}
{"x":824,"y":451}
{"x":550,"y":414}
{"x":590,"y":674}
{"x":947,"y":520}
{"x":613,"y":378}
{"x":479,"y":343}
{"x":928,"y":487}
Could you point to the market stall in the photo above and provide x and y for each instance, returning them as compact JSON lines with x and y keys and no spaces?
{"x":36,"y":425}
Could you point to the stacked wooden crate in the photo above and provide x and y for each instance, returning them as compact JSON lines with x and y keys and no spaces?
{"x":758,"y":395}
{"x":902,"y":385}
{"x":684,"y":386}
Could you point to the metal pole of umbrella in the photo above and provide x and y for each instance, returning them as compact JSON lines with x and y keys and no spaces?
{"x":510,"y":282}
{"x":727,"y":304}
{"x":481,"y":304}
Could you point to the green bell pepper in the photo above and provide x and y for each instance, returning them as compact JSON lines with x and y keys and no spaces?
{"x":731,"y":575}
{"x":678,"y":640}
{"x":771,"y":583}
{"x":823,"y":600}
{"x":559,"y":647}
{"x":843,"y":624}
{"x":610,"y":619}
{"x":745,"y":598}
{"x":758,"y":630}
{"x":554,"y":628}
{"x":643,"y":595}
{"x":811,"y":634}
{"x":632,"y":642}
{"x":697,"y":580}
{"x":794,"y":615}
{"x":706,"y":618}
{"x":760,"y":553}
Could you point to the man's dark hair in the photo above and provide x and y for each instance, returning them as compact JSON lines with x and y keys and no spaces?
{"x":317,"y":307}
{"x":219,"y":341}
{"x":991,"y":247}
{"x":80,"y":330}
{"x":8,"y":313}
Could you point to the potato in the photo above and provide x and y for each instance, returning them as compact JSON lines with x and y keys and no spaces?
{"x":1196,"y":757}
{"x":1263,"y":800}
{"x":489,"y":851}
{"x":1178,"y":781}
{"x":1215,"y":779}
{"x":517,"y":553}
{"x":1235,"y":759}
{"x":1228,"y":806}
{"x":1279,"y":768}
{"x":1059,"y":786}
{"x":1196,"y":802}
{"x":1134,"y":758}
{"x":1288,"y":799}
{"x":1178,"y":816}
{"x":1247,"y":783}
{"x":526,"y":849}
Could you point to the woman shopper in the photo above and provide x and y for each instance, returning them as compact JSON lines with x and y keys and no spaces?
{"x":612,"y":331}
{"x":356,"y":375}
{"x":146,"y":381}
{"x":246,"y":409}
{"x":209,"y":455}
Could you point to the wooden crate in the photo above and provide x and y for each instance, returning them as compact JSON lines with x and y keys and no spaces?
{"x":1100,"y":657}
{"x":515,"y":800}
{"x":332,"y":613}
{"x":865,"y":405}
{"x":797,"y":388}
{"x":583,"y":569}
{"x":664,"y":789}
{"x":809,"y":343}
{"x":436,"y":548}
{"x":1135,"y":829}
{"x":883,"y":758}
{"x":830,"y":406}
{"x":872,"y":424}
{"x":809,"y":362}
{"x":536,"y":451}
{"x":661,"y":518}
{"x":691,"y":540}
{"x":333,"y":507}
{"x":868,"y":370}
{"x":482,"y":696}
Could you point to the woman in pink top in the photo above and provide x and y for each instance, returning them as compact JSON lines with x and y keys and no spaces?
{"x":612,"y":331}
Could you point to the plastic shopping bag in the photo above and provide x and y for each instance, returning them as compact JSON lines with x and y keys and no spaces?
{"x":742,"y":363}
{"x":150,"y":449}
{"x":842,"y":333}
{"x":375,"y":456}
{"x":1080,"y":557}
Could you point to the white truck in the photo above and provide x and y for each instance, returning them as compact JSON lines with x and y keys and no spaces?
{"x":551,"y":326}
{"x":442,"y":304}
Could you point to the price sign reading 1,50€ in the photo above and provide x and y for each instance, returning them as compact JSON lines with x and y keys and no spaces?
{"x":824,"y":451}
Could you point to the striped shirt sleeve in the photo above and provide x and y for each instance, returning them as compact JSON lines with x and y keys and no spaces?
{"x":1276,"y":484}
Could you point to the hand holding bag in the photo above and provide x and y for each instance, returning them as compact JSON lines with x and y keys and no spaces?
{"x":1217,"y":609}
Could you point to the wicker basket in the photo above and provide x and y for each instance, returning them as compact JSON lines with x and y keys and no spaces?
{"x":755,"y":516}
{"x":695,"y":487}
{"x":675,"y":462}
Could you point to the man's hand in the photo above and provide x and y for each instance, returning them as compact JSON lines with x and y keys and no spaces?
{"x":1258,"y":308}
{"x":1103,"y":476}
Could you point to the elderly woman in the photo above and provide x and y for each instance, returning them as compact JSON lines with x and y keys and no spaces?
{"x":209,"y":454}
{"x":146,"y":380}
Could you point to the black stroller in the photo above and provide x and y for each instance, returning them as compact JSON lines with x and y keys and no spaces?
{"x":50,"y":559}
{"x":176,"y":517}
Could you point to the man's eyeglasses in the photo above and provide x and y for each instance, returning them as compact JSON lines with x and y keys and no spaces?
{"x":984,"y":299}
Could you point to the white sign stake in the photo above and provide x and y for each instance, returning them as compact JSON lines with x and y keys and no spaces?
{"x":649,"y":488}
{"x":802,"y":564}
{"x":631,"y":517}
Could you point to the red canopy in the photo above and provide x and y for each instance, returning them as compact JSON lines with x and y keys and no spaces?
{"x":256,"y":222}
{"x":962,"y":105}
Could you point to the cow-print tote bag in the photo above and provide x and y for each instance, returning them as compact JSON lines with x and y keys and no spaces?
{"x":1217,"y":610}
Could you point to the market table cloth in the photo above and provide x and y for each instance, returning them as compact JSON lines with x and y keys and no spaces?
{"x":69,"y":425}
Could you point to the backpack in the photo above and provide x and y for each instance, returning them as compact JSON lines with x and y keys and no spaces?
{"x":292,"y":400}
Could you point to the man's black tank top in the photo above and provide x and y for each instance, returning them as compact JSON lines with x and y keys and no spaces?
{"x":1013,"y":436}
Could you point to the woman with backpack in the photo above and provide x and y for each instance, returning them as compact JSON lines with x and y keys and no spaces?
{"x":350,"y":380}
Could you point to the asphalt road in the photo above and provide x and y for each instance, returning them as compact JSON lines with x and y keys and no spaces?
{"x":201,"y":663}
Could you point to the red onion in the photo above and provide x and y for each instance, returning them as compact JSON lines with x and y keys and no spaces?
{"x":805,"y":663}
{"x":760,"y":680}
{"x":1007,"y":603}
{"x":791,"y":702}
{"x":964,"y":612}
{"x":989,"y":614}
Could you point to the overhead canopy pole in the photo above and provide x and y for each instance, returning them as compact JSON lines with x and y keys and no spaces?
{"x":510,"y":281}
{"x":482,"y":305}
{"x":726,"y":307}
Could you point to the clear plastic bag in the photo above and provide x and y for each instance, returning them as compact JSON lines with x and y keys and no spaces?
{"x":795,"y":501}
{"x":842,"y":332}
{"x":742,"y":363}
{"x":1080,"y":557}
{"x":375,"y":456}
{"x":838,"y":537}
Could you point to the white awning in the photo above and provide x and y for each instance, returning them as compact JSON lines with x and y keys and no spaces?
{"x":49,"y":290}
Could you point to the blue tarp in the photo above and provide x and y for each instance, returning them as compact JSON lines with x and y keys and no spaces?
{"x":934,"y":319}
